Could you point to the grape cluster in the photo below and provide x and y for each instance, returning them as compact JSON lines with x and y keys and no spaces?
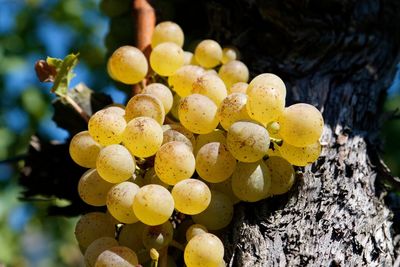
{"x":184,"y":151}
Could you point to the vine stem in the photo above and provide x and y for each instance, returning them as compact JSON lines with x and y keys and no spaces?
{"x":145,"y":22}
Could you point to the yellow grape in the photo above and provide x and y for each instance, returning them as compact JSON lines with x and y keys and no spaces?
{"x":204,"y":250}
{"x":239,"y":87}
{"x":195,"y":229}
{"x":153,"y":204}
{"x":215,"y":136}
{"x":92,"y":226}
{"x":118,"y":256}
{"x":233,"y":109}
{"x":143,"y":136}
{"x":145,"y":105}
{"x":218,"y":214}
{"x":273,"y":129}
{"x":233,"y":72}
{"x":96,"y":248}
{"x":158,"y":236}
{"x":183,"y":79}
{"x":301,"y":125}
{"x":120,"y":201}
{"x":167,"y":31}
{"x":266,"y":99}
{"x":115,"y":164}
{"x":128,"y":65}
{"x":300,"y":156}
{"x":84,"y":150}
{"x":247,"y":141}
{"x":198,"y":114}
{"x":208,"y":53}
{"x":173,"y":135}
{"x":93,"y":189}
{"x":214,"y":162}
{"x":117,"y":109}
{"x":179,"y":128}
{"x":162,"y":92}
{"x":150,"y":177}
{"x":106,"y":127}
{"x":166,"y":58}
{"x":211,"y":86}
{"x":282,"y":175}
{"x":251,"y":181}
{"x":191,"y":196}
{"x":174,"y":162}
{"x":226,"y":188}
{"x":229,"y":53}
{"x":131,"y":236}
{"x":188,"y":56}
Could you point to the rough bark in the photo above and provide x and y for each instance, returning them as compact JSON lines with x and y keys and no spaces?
{"x":340,"y":56}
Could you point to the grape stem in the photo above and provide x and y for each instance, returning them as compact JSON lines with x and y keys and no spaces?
{"x":163,"y":257}
{"x":177,"y":245}
{"x":276,"y":141}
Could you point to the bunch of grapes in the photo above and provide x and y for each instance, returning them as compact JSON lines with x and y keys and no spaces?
{"x":171,"y":165}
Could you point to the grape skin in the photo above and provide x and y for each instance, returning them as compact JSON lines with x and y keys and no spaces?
{"x":173,"y":135}
{"x":84,"y":150}
{"x":131,"y":236}
{"x":120,"y":201}
{"x":282,"y":175}
{"x":96,"y":248}
{"x":300,"y":156}
{"x":191,"y":196}
{"x":229,"y":54}
{"x":158,"y":236}
{"x":167,"y":31}
{"x":211,"y":86}
{"x":233,"y":72}
{"x":162,"y":92}
{"x":239,"y":87}
{"x":145,"y":105}
{"x":215,"y":136}
{"x":106,"y":127}
{"x":204,"y":250}
{"x":93,"y":189}
{"x":195,"y":229}
{"x":166,"y":58}
{"x":115,"y":164}
{"x":208,"y":53}
{"x":118,"y":256}
{"x":233,"y":109}
{"x":247,"y":141}
{"x":183,"y":79}
{"x":153,"y":204}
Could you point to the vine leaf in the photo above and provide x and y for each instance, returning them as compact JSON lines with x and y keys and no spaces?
{"x":64,"y":69}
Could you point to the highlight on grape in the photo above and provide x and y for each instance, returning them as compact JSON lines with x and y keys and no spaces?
{"x":170,"y":166}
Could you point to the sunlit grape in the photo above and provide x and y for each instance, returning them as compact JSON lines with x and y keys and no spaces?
{"x":167,"y":31}
{"x":84,"y":150}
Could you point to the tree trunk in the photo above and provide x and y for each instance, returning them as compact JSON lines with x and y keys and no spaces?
{"x":339,"y":56}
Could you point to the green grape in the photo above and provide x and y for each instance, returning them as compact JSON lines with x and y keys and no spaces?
{"x":166,"y":58}
{"x":183,"y":79}
{"x":233,"y":109}
{"x":84,"y":150}
{"x":247,"y":141}
{"x":143,"y":136}
{"x":173,"y":135}
{"x":120,"y":201}
{"x":153,"y":204}
{"x":211,"y":86}
{"x":226,"y":188}
{"x":93,"y":189}
{"x":167,"y":31}
{"x":191,"y":196}
{"x":174,"y":162}
{"x":92,"y":226}
{"x":251,"y":181}
{"x":106,"y":127}
{"x":215,"y":136}
{"x":265,"y":101}
{"x":301,"y":125}
{"x":218,"y":214}
{"x":158,"y":236}
{"x":195,"y":229}
{"x":118,"y":256}
{"x":179,"y":128}
{"x":145,"y":105}
{"x":214,"y":162}
{"x":239,"y":87}
{"x":188,"y":56}
{"x":300,"y":156}
{"x":150,"y":177}
{"x":269,"y":80}
{"x":115,"y":164}
{"x":175,"y":107}
{"x":204,"y":250}
{"x":128,"y":65}
{"x":162,"y":92}
{"x":282,"y":175}
{"x":131,"y":236}
{"x":233,"y":72}
{"x":96,"y":248}
{"x":198,"y":114}
{"x":208,"y":53}
{"x":229,"y":53}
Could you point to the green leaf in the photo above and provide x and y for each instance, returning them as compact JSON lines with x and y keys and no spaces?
{"x":65,"y":73}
